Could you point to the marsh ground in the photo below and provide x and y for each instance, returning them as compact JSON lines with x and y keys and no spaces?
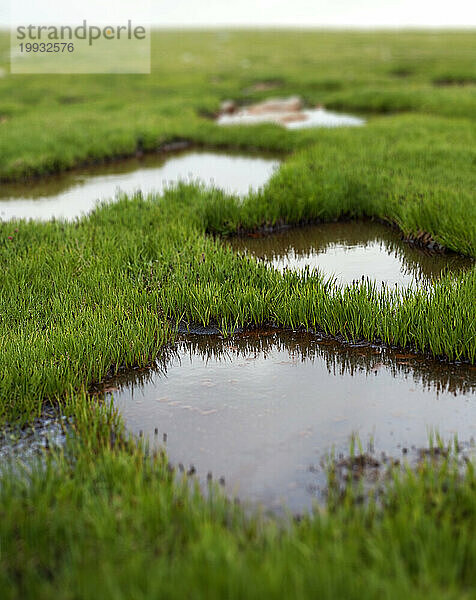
{"x":81,"y":300}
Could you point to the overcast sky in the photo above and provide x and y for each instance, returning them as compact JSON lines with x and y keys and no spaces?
{"x":212,"y":13}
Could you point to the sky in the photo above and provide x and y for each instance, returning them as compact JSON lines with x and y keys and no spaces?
{"x":215,"y":13}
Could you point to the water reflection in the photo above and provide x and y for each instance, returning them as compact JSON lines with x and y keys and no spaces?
{"x":70,"y":195}
{"x":262,"y":409}
{"x":304,"y":119}
{"x":348,"y":251}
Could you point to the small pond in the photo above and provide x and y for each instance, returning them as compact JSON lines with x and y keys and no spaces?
{"x":304,"y":119}
{"x":70,"y":195}
{"x":264,"y":409}
{"x":348,"y":251}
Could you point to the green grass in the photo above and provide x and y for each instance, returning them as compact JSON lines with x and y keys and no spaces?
{"x":80,"y":301}
{"x":54,"y":123}
{"x":112,"y":522}
{"x":411,"y":171}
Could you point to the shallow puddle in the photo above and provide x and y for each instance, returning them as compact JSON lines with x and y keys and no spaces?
{"x":68,"y":196}
{"x":263,"y":410}
{"x":348,"y":251}
{"x":288,"y":112}
{"x":317,"y":117}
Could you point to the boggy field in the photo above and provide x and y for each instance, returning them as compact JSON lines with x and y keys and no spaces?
{"x":84,"y":300}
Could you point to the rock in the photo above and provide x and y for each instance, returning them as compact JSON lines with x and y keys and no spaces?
{"x":228,"y":107}
{"x":279,"y":105}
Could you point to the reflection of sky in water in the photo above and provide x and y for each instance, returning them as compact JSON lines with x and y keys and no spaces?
{"x":319,"y":117}
{"x":348,"y":251}
{"x":261,"y":417}
{"x":348,"y":263}
{"x":80,"y":193}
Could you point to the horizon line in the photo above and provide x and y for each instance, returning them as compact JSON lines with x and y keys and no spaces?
{"x":268,"y":26}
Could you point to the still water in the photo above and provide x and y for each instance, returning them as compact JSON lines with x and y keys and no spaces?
{"x":264,"y":409}
{"x":350,"y":251}
{"x":304,"y":119}
{"x":71,"y":195}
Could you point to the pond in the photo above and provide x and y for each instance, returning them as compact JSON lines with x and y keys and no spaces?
{"x":290,"y":113}
{"x":71,"y":195}
{"x":318,"y":117}
{"x":347,"y":251}
{"x":264,"y":409}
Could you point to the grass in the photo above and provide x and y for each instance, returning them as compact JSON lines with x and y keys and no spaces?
{"x":48,"y":121}
{"x":111,"y":522}
{"x":411,"y":171}
{"x":81,"y":300}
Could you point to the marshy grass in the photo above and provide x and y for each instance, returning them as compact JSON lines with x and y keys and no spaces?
{"x":104,"y":519}
{"x":80,"y":301}
{"x":48,"y":121}
{"x":413,"y":172}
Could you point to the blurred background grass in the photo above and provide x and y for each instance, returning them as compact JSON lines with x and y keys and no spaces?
{"x":49,"y":123}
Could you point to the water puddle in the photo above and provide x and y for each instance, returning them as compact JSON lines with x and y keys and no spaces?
{"x":287,"y":112}
{"x":68,"y":196}
{"x":263,"y":410}
{"x":348,"y":251}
